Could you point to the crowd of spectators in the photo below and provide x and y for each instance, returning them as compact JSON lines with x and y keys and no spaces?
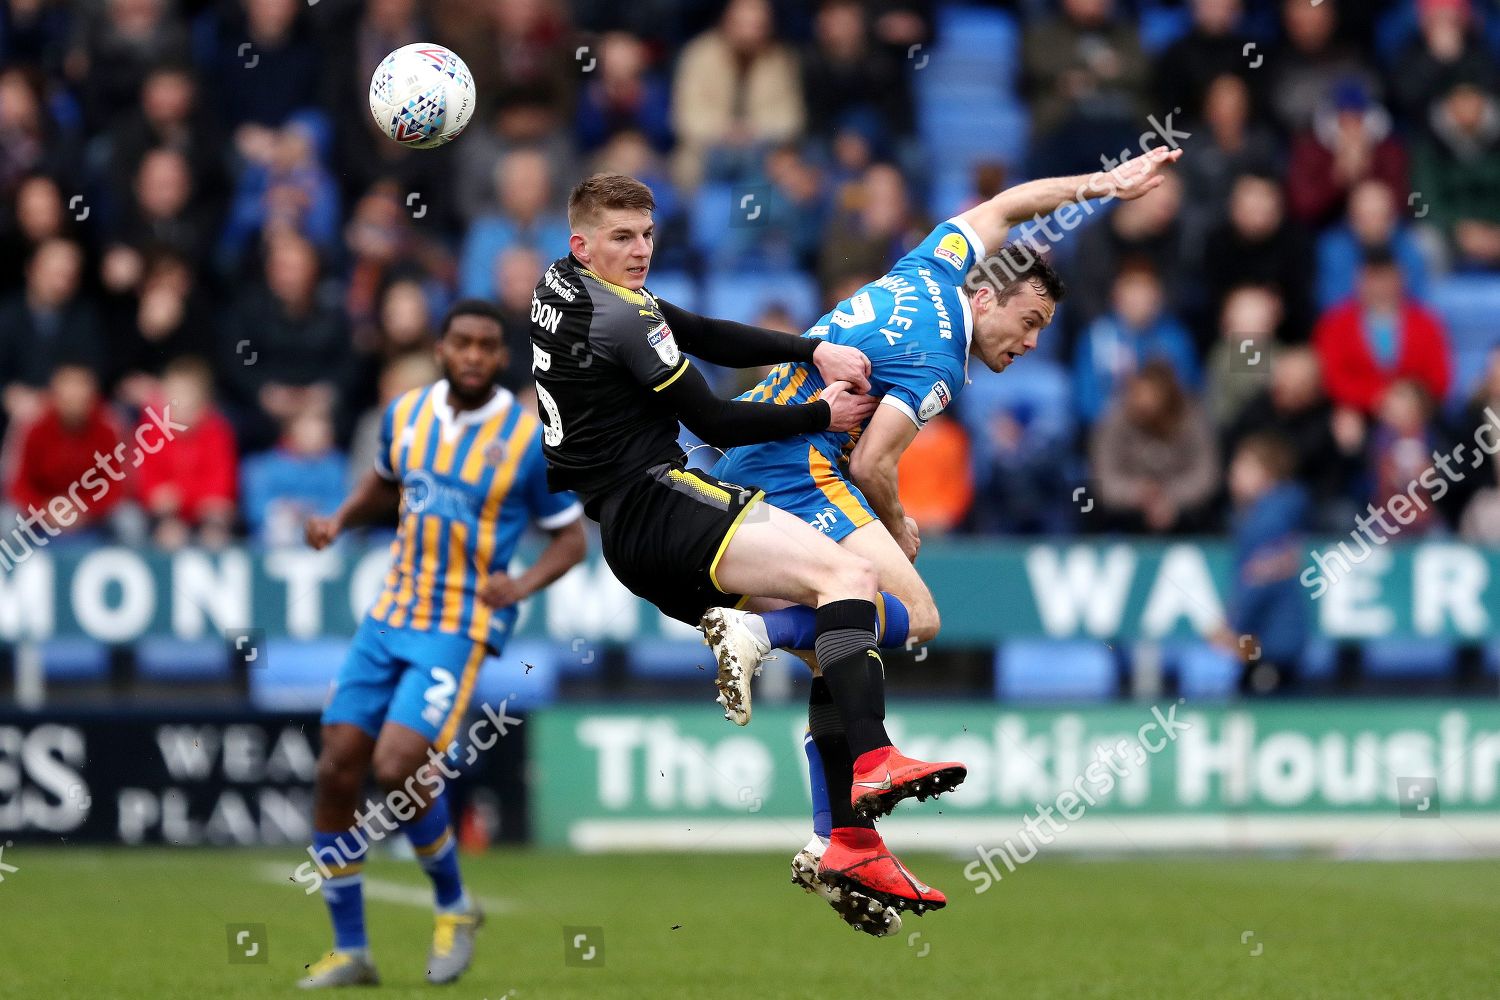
{"x":197,"y":213}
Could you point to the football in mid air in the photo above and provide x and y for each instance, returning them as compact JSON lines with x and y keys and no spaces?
{"x":422,"y":95}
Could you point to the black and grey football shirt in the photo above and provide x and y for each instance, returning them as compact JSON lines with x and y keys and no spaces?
{"x":601,"y":354}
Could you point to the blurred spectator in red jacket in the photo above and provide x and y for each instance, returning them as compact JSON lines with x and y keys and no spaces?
{"x":188,"y":487}
{"x":1379,"y":336}
{"x":1351,"y":139}
{"x":58,"y":468}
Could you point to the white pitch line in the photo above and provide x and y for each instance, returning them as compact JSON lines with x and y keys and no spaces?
{"x":392,"y":892}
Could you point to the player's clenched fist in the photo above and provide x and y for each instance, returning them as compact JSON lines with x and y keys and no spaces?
{"x":499,"y":591}
{"x":321,"y":531}
{"x":841,"y":363}
{"x":848,"y":410}
{"x":912,"y":543}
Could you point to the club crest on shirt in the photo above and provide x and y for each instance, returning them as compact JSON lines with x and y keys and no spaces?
{"x":953,"y":248}
{"x":936,"y":400}
{"x":664,"y":344}
{"x":494,"y":452}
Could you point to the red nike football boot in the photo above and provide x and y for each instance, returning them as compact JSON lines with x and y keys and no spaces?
{"x":857,"y":861}
{"x":884,"y":777}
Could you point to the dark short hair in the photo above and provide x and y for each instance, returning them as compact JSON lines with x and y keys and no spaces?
{"x":1014,"y":265}
{"x":605,"y":192}
{"x":1272,"y":451}
{"x":470,"y":307}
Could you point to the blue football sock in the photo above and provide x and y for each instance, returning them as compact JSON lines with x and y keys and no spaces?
{"x":796,"y":627}
{"x":893,"y":620}
{"x":822,"y":811}
{"x":431,"y":836}
{"x":341,"y":862}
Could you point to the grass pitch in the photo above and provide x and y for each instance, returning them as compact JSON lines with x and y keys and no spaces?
{"x":77,"y":922}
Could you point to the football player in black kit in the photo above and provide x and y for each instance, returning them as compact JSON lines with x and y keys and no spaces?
{"x":613,"y":380}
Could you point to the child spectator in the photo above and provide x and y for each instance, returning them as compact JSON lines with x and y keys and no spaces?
{"x":1268,"y":616}
{"x":1402,"y":443}
{"x":305,"y":475}
{"x":1136,"y":330}
{"x":188,"y":486}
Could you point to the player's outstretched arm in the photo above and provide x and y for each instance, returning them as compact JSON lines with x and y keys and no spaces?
{"x":872,"y":467}
{"x":567,"y":548}
{"x":1130,"y":180}
{"x":738,"y":345}
{"x":374,"y":498}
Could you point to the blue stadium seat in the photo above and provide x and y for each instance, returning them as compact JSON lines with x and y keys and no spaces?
{"x":297,"y":675}
{"x":74,"y":660}
{"x":1408,"y":658}
{"x":172,"y":659}
{"x":1468,"y":304}
{"x":1161,"y":26}
{"x":670,"y":659}
{"x":1492,"y":657}
{"x":1055,"y":670}
{"x":951,"y":191}
{"x":742,"y":297}
{"x":1320,"y":659}
{"x":1204,"y":670}
{"x":987,"y":128}
{"x":674,"y":286}
{"x":525,"y":676}
{"x":974,"y":44}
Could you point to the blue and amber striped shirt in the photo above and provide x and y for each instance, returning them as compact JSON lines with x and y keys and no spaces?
{"x":470,"y":484}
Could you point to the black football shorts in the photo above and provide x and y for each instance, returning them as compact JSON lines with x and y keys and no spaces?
{"x":664,"y":533}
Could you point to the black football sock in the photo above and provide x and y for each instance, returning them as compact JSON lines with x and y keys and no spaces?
{"x":854,"y":671}
{"x":827,"y":730}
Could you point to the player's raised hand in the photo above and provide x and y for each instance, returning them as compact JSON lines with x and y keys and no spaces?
{"x":841,"y":363}
{"x":499,"y":591}
{"x":1141,"y":175}
{"x":321,"y":531}
{"x":848,"y":409}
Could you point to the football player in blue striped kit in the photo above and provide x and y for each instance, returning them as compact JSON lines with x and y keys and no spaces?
{"x":463,"y":461}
